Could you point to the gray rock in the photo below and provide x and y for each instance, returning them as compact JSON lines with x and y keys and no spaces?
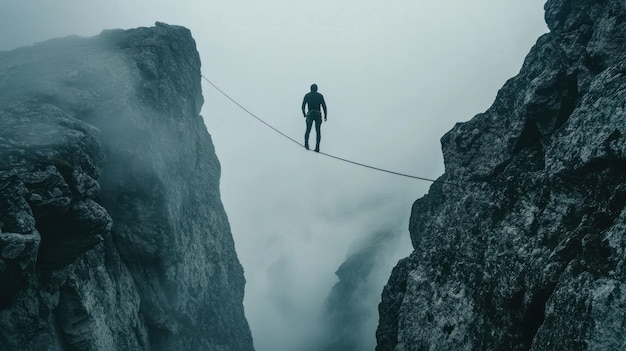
{"x":527,"y":252}
{"x":113,"y":235}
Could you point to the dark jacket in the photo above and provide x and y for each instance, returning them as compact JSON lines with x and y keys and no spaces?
{"x":315,"y":101}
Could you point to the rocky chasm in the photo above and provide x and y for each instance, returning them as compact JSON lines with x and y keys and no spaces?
{"x":113,"y":235}
{"x":112,"y":232}
{"x":528,"y":251}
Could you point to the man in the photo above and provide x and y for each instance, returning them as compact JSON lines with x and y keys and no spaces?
{"x":316,"y":103}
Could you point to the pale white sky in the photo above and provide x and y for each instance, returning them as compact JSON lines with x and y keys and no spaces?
{"x":396,"y":76}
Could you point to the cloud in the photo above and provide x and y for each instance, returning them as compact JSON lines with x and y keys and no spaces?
{"x":350,"y":313}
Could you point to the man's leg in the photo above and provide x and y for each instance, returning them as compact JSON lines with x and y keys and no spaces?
{"x":318,"y":131}
{"x":309,"y":123}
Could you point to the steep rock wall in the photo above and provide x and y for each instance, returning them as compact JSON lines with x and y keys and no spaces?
{"x":528,"y":252}
{"x":112,"y":232}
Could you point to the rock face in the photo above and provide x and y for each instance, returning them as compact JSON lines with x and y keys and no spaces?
{"x":528,"y":252}
{"x":112,"y":232}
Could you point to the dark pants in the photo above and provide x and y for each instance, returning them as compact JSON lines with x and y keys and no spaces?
{"x":310,"y":118}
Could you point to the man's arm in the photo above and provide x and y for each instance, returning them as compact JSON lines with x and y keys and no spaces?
{"x":303,"y":104}
{"x":324,"y":108}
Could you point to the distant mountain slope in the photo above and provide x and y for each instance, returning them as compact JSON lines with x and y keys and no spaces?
{"x":350,"y":315}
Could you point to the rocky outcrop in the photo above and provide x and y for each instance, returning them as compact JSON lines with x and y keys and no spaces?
{"x":524,"y":246}
{"x":112,"y":232}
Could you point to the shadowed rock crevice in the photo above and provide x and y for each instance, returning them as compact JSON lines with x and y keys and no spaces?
{"x":67,"y":236}
{"x":533,"y":318}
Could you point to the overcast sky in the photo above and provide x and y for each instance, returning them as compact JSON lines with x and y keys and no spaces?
{"x":396,"y":76}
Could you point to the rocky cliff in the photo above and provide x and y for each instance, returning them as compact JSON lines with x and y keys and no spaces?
{"x":112,"y":232}
{"x":528,"y":251}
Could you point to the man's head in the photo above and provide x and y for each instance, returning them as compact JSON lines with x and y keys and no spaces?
{"x":314,"y":87}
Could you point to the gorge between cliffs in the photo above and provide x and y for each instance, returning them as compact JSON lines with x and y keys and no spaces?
{"x":114,"y":236}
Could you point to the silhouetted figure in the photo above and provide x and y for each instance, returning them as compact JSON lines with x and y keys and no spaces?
{"x":316,"y":103}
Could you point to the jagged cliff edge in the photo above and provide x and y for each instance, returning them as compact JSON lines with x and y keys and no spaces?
{"x":112,"y":232}
{"x":529,"y":253}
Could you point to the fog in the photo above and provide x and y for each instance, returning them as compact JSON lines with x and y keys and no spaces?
{"x":396,"y":76}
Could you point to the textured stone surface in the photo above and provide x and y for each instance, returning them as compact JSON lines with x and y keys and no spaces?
{"x":112,"y":232}
{"x":529,"y":252}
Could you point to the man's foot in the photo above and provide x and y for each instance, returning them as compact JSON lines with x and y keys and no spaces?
{"x":306,"y":146}
{"x":317,"y":149}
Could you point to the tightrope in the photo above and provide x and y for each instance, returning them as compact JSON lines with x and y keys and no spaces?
{"x":248,"y":111}
{"x":321,"y":153}
{"x":296,"y":142}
